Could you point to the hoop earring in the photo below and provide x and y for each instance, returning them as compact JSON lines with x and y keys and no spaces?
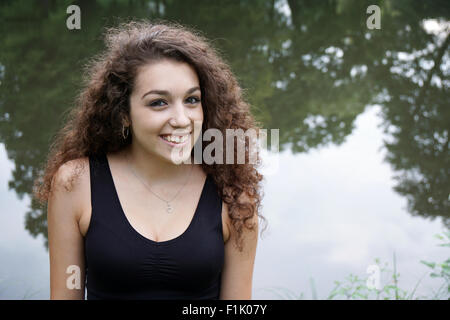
{"x":127,"y":129}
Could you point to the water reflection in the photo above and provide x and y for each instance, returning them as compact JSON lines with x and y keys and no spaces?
{"x":309,"y":68}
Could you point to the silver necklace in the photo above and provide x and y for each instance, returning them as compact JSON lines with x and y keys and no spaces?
{"x":169,"y":206}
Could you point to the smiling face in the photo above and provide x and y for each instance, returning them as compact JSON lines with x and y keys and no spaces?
{"x":166,"y":100}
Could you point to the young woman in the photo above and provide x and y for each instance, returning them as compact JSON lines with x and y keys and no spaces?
{"x":122,"y":209}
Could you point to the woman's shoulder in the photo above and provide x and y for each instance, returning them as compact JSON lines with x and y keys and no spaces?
{"x":72,"y":180}
{"x":70,"y":173}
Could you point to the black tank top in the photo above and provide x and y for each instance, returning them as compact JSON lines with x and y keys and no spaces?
{"x":123,"y":264}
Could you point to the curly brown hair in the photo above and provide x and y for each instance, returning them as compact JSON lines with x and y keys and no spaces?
{"x":95,"y":123}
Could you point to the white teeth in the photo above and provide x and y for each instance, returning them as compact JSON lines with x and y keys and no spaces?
{"x":175,"y":139}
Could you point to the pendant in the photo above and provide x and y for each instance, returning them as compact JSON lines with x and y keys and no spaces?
{"x":169,"y":208}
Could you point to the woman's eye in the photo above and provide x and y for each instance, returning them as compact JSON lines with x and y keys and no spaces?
{"x":195,"y":100}
{"x":156,"y":103}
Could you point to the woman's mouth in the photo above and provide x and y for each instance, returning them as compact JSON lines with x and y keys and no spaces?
{"x":174,"y":140}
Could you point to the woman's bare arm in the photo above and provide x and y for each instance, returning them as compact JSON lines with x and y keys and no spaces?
{"x":237,"y":275}
{"x":66,"y":245}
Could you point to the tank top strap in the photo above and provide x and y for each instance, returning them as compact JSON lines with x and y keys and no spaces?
{"x":102,"y":189}
{"x":211,"y":206}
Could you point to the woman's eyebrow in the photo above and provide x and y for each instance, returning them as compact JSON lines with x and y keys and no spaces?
{"x":166,"y":93}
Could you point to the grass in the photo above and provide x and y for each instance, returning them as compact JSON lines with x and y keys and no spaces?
{"x":354,"y":287}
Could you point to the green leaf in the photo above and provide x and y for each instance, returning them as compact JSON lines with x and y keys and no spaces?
{"x":429,"y":264}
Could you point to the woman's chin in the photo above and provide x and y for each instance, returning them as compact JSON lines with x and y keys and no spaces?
{"x":180,"y":154}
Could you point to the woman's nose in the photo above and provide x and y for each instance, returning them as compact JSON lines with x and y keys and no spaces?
{"x":180,"y":116}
